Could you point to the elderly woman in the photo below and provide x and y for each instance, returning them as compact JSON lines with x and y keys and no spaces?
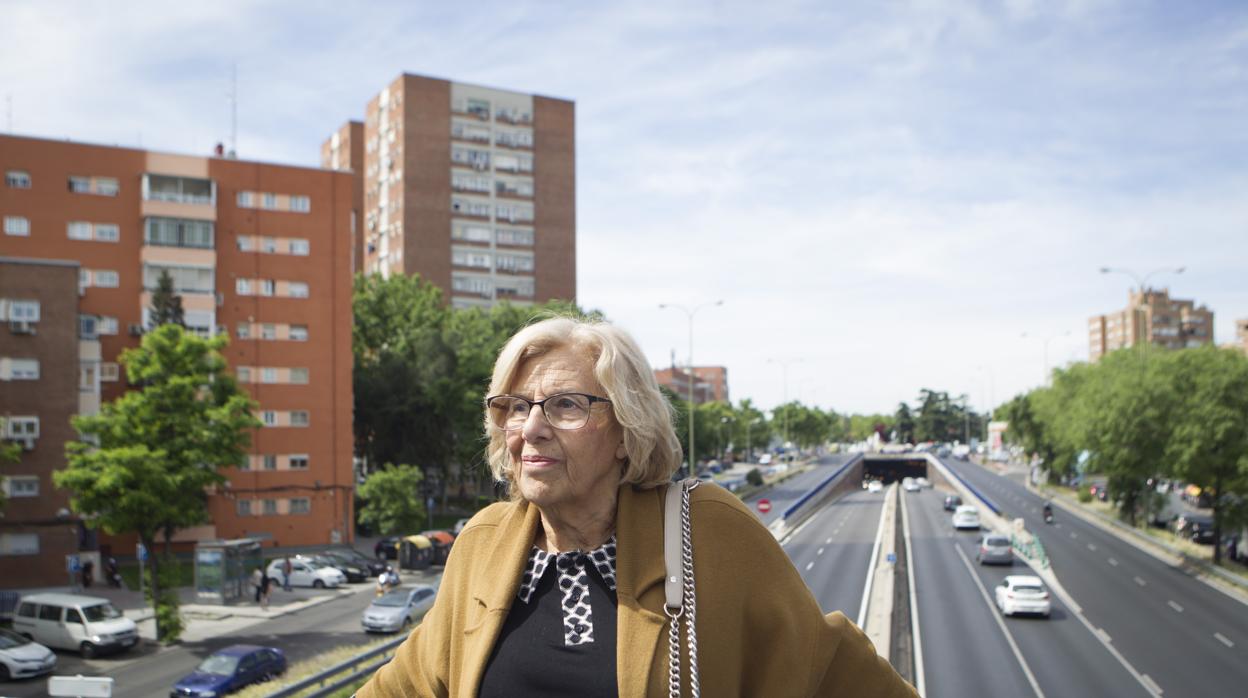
{"x":560,"y":592}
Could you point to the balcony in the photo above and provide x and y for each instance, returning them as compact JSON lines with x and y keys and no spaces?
{"x":179,"y":197}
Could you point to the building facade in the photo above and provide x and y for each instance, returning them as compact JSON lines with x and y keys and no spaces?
{"x":473,"y":188}
{"x":1151,"y":316}
{"x":710,"y":383}
{"x":257,"y":251}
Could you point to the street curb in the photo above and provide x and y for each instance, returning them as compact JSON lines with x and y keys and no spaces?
{"x":1229,"y":583}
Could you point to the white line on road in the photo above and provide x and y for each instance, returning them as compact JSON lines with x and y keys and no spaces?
{"x":1100,"y":632}
{"x":809,"y":565}
{"x":1092,"y":547}
{"x":1175,"y":606}
{"x":1074,"y":535}
{"x":1224,"y":639}
{"x":1113,"y":562}
{"x":1141,"y":582}
{"x":866,"y":589}
{"x":820,"y":551}
{"x":1150,"y":684}
{"x":828,"y":542}
{"x":992,"y":609}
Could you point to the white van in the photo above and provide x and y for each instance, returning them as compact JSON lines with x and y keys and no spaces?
{"x":88,"y":624}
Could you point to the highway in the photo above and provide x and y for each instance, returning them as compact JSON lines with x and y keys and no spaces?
{"x":788,"y":491}
{"x":832,"y":549}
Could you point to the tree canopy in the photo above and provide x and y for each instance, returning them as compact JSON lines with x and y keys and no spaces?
{"x":391,"y":500}
{"x":166,"y":304}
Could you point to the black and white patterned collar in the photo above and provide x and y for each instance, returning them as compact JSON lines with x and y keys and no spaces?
{"x":602,"y":557}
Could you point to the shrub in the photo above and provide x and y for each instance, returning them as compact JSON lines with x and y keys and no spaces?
{"x":754,"y":477}
{"x":1084,"y":496}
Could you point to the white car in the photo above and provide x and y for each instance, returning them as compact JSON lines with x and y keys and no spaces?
{"x":88,"y":624}
{"x":22,"y":658}
{"x":875,"y":486}
{"x":923,"y":483}
{"x":306,"y":573}
{"x":967,"y":517}
{"x":1023,"y":593}
{"x":910,"y":484}
{"x":764,"y":459}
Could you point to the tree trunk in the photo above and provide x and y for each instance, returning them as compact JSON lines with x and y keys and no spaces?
{"x":149,"y":542}
{"x":1217,"y":520}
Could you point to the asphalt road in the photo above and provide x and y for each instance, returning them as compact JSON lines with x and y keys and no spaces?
{"x":969,"y":647}
{"x":785,"y":493}
{"x":833,"y":548}
{"x":1183,"y":636}
{"x":151,"y":671}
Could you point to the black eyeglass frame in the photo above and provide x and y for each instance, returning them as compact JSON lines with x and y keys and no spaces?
{"x":542,"y":404}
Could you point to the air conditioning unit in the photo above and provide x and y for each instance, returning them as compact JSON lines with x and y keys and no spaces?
{"x":136,"y":330}
{"x":21,"y":327}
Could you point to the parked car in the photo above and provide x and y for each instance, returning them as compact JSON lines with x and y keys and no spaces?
{"x":359,"y":559}
{"x":1197,"y":528}
{"x":308,"y":573}
{"x":398,"y":609}
{"x":229,"y":670}
{"x":22,"y":658}
{"x":351,"y":570}
{"x":88,"y":624}
{"x":1023,"y":593}
{"x":388,"y":548}
{"x":1099,"y":491}
{"x":764,"y":459}
{"x":994,"y":549}
{"x":875,"y":486}
{"x":966,"y":517}
{"x":962,"y":452}
{"x":909,"y":484}
{"x":952,"y":502}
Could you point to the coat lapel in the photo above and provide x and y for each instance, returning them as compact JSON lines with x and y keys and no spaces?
{"x":496,"y":579}
{"x":639,"y":569}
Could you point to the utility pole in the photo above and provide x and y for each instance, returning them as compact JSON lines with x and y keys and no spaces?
{"x":690,"y":377}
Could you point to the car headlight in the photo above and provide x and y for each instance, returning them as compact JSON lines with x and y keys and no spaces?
{"x":97,"y":638}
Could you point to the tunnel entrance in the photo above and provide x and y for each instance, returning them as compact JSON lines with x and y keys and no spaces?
{"x":890,"y":469}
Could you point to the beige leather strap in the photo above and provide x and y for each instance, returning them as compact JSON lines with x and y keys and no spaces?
{"x":673,"y":583}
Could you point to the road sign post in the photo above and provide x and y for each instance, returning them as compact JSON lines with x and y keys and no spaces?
{"x":140,"y":552}
{"x":764,"y":505}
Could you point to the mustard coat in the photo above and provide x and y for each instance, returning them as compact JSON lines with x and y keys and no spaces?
{"x":760,"y":631}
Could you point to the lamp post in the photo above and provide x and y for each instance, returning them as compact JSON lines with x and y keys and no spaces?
{"x":749,"y":444}
{"x":784,"y":371}
{"x":1045,"y":341}
{"x":1142,"y":282}
{"x":690,"y":378}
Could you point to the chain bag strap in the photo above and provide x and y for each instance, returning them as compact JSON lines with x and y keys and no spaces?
{"x":678,"y":585}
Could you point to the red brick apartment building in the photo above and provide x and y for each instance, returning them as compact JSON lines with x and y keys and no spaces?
{"x":473,"y":188}
{"x":1153,"y":317}
{"x":710,"y":383}
{"x":260,"y":252}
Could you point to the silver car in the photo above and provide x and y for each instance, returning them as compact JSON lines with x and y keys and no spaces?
{"x":398,"y":609}
{"x":994,"y":549}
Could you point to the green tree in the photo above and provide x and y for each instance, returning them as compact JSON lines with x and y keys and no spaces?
{"x":147,"y":461}
{"x":1210,"y":428}
{"x":166,"y":304}
{"x":392,"y":503}
{"x":905,"y":424}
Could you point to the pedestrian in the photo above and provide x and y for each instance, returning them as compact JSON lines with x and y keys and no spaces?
{"x":268,"y":589}
{"x":287,"y":568}
{"x":257,"y":582}
{"x":560,"y":591}
{"x":88,"y":574}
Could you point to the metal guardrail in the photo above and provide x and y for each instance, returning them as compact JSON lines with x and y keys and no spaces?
{"x":328,"y":680}
{"x":1031,"y":549}
{"x":974,"y":490}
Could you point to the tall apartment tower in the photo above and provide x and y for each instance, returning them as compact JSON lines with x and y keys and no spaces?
{"x":1151,"y":316}
{"x":473,"y":188}
{"x":257,"y":251}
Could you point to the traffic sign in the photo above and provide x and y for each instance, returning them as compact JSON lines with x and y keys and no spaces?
{"x":140,"y":551}
{"x":73,"y":563}
{"x":764,"y":505}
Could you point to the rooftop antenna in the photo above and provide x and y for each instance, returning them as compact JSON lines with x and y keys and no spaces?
{"x":233,"y":111}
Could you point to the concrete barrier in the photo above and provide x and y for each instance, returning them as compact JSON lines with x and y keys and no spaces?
{"x":876,"y":614}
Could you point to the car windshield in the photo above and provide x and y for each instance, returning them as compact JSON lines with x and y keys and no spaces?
{"x":997,"y":541}
{"x":219,"y":664}
{"x":1028,"y":589}
{"x":393,"y":598}
{"x":10,"y":639}
{"x":99,"y":612}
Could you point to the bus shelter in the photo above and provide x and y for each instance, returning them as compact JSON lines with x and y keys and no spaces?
{"x":223,"y":569}
{"x":415,"y":553}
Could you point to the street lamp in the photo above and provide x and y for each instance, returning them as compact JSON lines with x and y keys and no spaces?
{"x":690,"y":378}
{"x":1046,"y":341}
{"x":784,"y":367}
{"x":1142,"y":281}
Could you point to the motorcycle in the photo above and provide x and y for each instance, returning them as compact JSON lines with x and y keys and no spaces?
{"x":1048,"y":516}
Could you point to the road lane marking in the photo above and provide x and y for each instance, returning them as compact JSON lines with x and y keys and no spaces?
{"x":820,"y":551}
{"x":1092,"y":547}
{"x":1113,"y":562}
{"x":809,"y":565}
{"x":1224,"y":640}
{"x":993,"y":611}
{"x":1141,"y":582}
{"x":1177,"y":608}
{"x":828,"y":542}
{"x":1074,"y":535}
{"x":1100,"y":632}
{"x":1150,"y":684}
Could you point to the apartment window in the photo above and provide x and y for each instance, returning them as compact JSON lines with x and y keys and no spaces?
{"x":299,"y":418}
{"x":512,"y":212}
{"x":19,"y":544}
{"x":268,"y":200}
{"x":268,"y":245}
{"x":88,"y":327}
{"x":245,"y":243}
{"x":471,"y":233}
{"x":476,"y":159}
{"x":88,"y":377}
{"x":17,"y":179}
{"x":23,"y":311}
{"x":270,"y":506}
{"x":80,"y":185}
{"x":106,"y":325}
{"x":19,"y":428}
{"x":300,"y":204}
{"x":186,"y":279}
{"x":79,"y":230}
{"x":268,"y":331}
{"x":106,"y":186}
{"x":17,"y":226}
{"x":243,"y":507}
{"x":299,"y":246}
{"x":300,"y":505}
{"x":468,"y":182}
{"x":269,"y":417}
{"x":268,"y":375}
{"x":299,"y":375}
{"x":106,"y":278}
{"x":110,"y":372}
{"x":244,"y":374}
{"x":22,"y":486}
{"x":246,"y":199}
{"x":243,"y":331}
{"x":185,"y":190}
{"x":107,"y":232}
{"x":265,"y":287}
{"x":270,"y":462}
{"x":242,"y":287}
{"x":299,"y":462}
{"x":508,"y":236}
{"x":19,"y":369}
{"x":178,"y":232}
{"x":298,"y":333}
{"x":478,"y":107}
{"x":466,"y":258}
{"x":297,"y":289}
{"x":470,"y":208}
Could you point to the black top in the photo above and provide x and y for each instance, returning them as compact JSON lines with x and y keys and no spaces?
{"x":538,"y":653}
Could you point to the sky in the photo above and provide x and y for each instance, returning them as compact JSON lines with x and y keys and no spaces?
{"x":886,"y":196}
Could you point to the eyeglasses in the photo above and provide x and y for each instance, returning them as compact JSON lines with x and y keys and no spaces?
{"x":562,"y":411}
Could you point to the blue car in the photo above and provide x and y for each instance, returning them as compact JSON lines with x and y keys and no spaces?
{"x":229,"y":670}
